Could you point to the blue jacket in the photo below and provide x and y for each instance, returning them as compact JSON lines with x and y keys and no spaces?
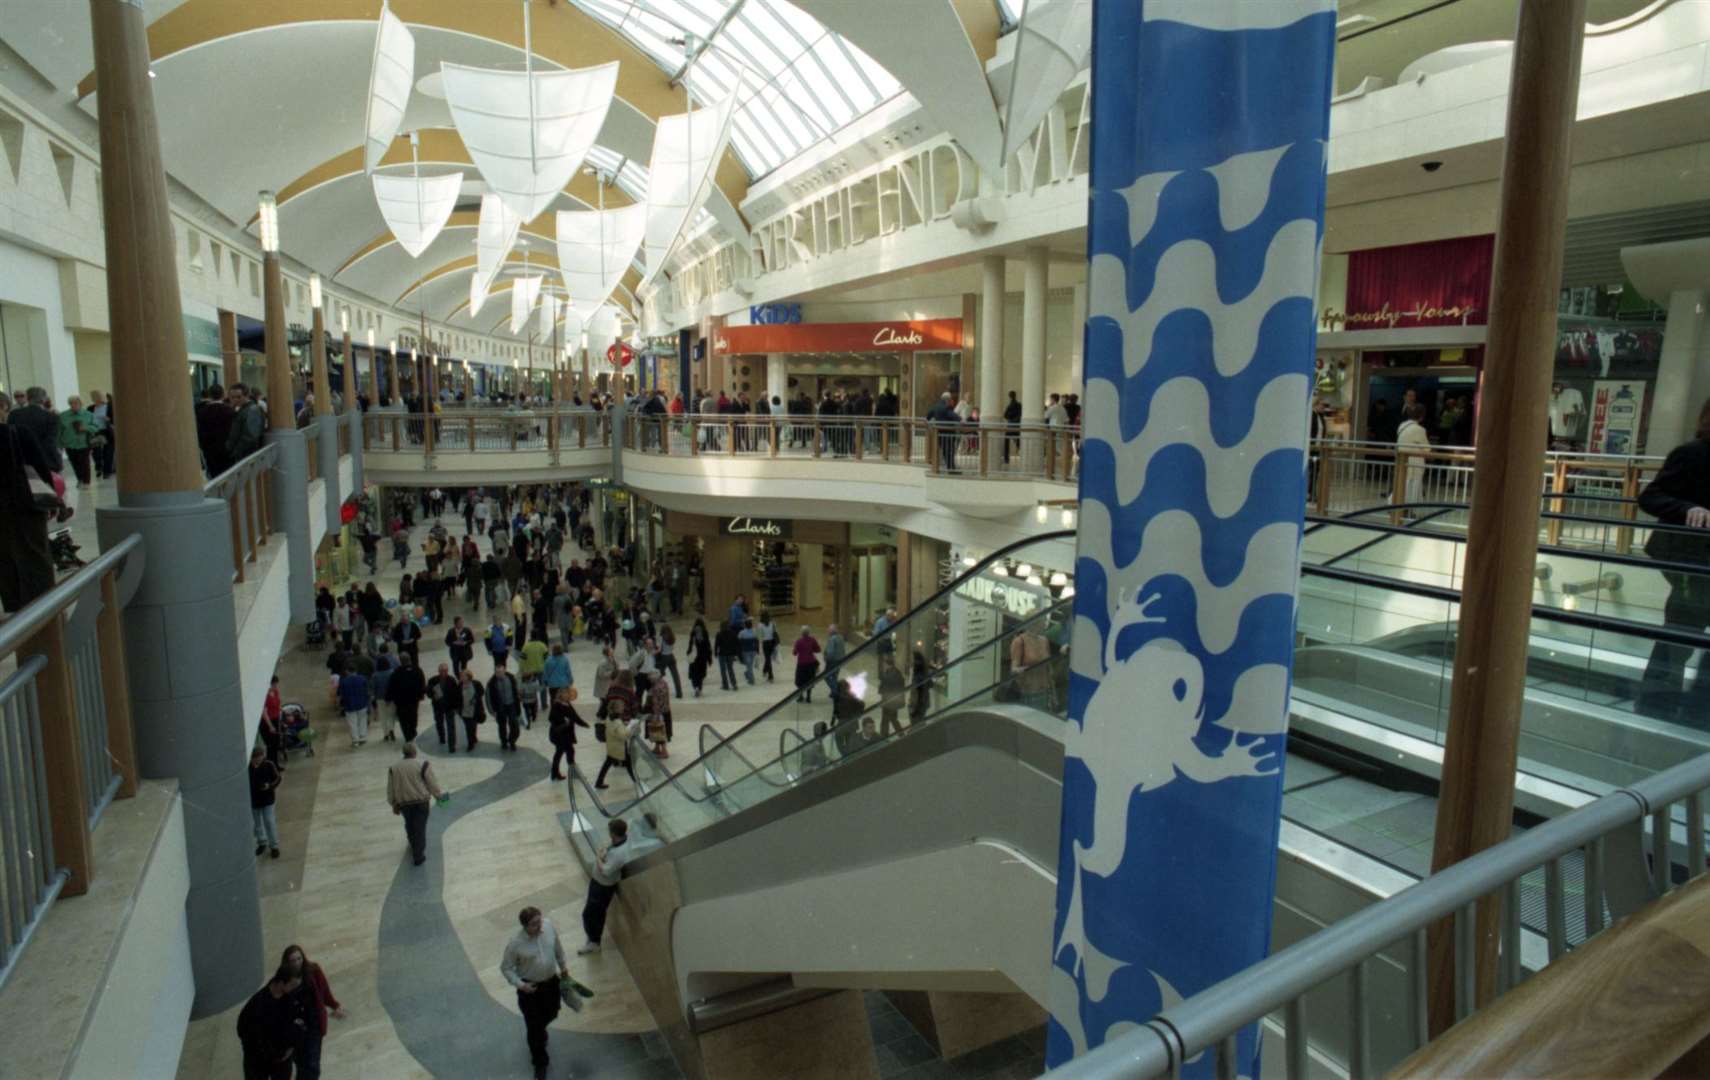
{"x":738,"y":617}
{"x":353,"y":692}
{"x":556,"y":675}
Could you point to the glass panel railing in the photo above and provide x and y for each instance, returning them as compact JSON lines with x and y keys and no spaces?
{"x":991,"y":596}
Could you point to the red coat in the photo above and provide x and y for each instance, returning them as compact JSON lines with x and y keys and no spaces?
{"x":324,"y":999}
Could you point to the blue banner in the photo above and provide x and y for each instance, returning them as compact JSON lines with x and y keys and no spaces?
{"x":1210,"y":121}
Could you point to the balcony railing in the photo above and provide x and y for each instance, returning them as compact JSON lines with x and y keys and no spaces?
{"x":247,"y":491}
{"x":486,"y":431}
{"x":67,"y":747}
{"x":1635,"y":845}
{"x":965,"y":450}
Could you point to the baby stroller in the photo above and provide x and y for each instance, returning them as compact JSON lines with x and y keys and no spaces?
{"x":315,"y":634}
{"x":295,"y":730}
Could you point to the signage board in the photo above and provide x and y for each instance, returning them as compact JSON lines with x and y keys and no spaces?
{"x":1434,"y":283}
{"x":759,"y":528}
{"x":898,"y":336}
{"x":774,"y":314}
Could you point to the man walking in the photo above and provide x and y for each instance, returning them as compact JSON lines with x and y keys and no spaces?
{"x":504,"y":701}
{"x":407,"y":634}
{"x":411,"y":788}
{"x":244,"y":437}
{"x":263,"y":782}
{"x":353,"y":701}
{"x":442,"y":691}
{"x":534,"y":964}
{"x":405,"y":690}
{"x":461,"y":641}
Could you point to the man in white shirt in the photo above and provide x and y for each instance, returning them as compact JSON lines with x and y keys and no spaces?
{"x":1055,"y":414}
{"x":534,"y":963}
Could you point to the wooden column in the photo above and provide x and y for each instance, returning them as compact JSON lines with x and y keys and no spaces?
{"x":392,"y":374}
{"x":318,"y":360}
{"x":150,"y":378}
{"x":228,"y":347}
{"x":1475,"y":808}
{"x":280,"y":415}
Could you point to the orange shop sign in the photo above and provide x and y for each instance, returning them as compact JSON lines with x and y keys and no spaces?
{"x":901,"y":336}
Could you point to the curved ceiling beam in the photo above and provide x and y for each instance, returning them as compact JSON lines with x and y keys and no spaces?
{"x":543,"y":228}
{"x":439,"y":146}
{"x":631,"y":279}
{"x":562,"y":33}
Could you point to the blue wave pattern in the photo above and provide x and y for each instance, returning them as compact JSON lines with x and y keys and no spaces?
{"x":1210,"y":119}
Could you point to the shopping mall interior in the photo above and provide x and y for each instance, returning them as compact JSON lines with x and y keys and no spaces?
{"x":1190,"y":506}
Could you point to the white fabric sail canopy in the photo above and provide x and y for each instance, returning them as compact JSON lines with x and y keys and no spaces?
{"x":603,"y":329}
{"x":416,"y":208}
{"x":495,"y":235}
{"x":524,"y":290}
{"x":548,"y":314}
{"x":528,"y":133}
{"x":686,"y":150}
{"x":389,"y":82}
{"x":595,"y":247}
{"x":478,"y":285}
{"x":1054,"y":43}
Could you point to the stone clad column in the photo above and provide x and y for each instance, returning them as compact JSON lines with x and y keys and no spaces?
{"x":291,"y":467}
{"x":1033,"y":286}
{"x":180,"y":628}
{"x":352,"y":408}
{"x":992,"y":397}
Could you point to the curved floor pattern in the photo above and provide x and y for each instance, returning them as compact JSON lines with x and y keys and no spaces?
{"x":443,"y":1015}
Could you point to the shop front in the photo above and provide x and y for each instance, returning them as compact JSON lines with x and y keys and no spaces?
{"x":992,"y":607}
{"x":793,"y":569}
{"x":1410,"y":329}
{"x":915,"y":360}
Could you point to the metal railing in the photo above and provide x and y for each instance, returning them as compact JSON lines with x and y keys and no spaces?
{"x":486,"y":430}
{"x":1623,"y":869}
{"x":1346,"y":476}
{"x":66,"y":742}
{"x":247,"y":492}
{"x":993,"y":451}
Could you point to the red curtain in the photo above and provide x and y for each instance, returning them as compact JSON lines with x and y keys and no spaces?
{"x":1436,"y":283}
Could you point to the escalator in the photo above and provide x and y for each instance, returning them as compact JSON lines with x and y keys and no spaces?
{"x":925,"y":857}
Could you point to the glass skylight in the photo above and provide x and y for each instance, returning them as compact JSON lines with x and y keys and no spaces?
{"x":795,"y":81}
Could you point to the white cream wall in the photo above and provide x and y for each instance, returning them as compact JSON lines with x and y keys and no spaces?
{"x":29,"y":279}
{"x":53,"y":253}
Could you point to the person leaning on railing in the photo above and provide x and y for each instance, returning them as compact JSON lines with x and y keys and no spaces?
{"x":1679,"y":495}
{"x":26,"y":566}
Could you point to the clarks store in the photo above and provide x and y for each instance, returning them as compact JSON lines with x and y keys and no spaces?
{"x":914,"y":359}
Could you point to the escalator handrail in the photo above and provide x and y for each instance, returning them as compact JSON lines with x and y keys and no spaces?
{"x":1638,"y":562}
{"x":1347,"y":516}
{"x":1583,"y":619}
{"x":674,"y":780}
{"x":1043,"y":614}
{"x":872,"y":642}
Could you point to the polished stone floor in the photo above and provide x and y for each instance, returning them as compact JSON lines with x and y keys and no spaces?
{"x":413,"y":953}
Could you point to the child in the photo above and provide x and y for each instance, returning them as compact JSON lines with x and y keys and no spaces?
{"x":529,"y":685}
{"x":659,"y":723}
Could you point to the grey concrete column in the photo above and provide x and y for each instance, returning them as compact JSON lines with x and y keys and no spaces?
{"x":1033,"y":284}
{"x":326,"y":457}
{"x":290,"y":479}
{"x":991,"y":338}
{"x":181,"y":639}
{"x":1683,"y":374}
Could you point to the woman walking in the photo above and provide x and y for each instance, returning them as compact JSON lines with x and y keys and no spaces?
{"x":316,"y":999}
{"x":700,"y":655}
{"x":806,"y":650}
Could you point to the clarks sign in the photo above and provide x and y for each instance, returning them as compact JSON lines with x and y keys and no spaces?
{"x":762,"y":528}
{"x":922,"y":334}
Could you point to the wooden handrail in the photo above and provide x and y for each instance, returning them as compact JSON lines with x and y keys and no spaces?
{"x":1632,"y":1001}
